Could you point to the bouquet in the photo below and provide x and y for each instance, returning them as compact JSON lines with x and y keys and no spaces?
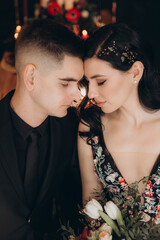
{"x":117,"y":219}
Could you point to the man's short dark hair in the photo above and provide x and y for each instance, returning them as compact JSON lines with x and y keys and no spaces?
{"x":51,"y":38}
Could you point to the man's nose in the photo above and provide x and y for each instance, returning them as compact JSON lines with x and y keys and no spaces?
{"x":76,"y":95}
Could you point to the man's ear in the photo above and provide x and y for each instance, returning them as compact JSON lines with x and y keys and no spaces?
{"x":137,"y":71}
{"x":29,"y":76}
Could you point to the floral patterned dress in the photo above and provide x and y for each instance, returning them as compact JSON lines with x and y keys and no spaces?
{"x":111,"y":179}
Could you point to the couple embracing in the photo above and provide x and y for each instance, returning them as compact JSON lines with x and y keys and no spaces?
{"x":120,"y":116}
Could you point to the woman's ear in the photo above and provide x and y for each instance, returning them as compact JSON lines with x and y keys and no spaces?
{"x":137,"y":71}
{"x":29,"y":76}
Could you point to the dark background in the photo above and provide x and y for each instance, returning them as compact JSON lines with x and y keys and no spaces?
{"x":143,"y":15}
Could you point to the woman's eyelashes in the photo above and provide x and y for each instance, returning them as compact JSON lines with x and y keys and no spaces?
{"x":101,"y":82}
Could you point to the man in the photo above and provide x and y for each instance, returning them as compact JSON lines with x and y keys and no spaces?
{"x":37,"y":135}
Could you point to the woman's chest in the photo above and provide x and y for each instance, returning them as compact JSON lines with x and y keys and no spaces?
{"x":134,"y":166}
{"x":116,"y":181}
{"x":123,"y":138}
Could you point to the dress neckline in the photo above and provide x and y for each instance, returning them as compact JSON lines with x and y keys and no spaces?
{"x":157,"y":161}
{"x":121,"y":175}
{"x":112,"y":179}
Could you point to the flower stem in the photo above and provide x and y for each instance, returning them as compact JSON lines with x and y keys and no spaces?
{"x":110,"y":222}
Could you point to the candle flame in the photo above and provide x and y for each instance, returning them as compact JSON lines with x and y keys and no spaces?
{"x":18,"y":28}
{"x":84,"y":32}
{"x":16,"y":35}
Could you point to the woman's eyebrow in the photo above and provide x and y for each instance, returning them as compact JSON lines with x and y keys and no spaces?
{"x":95,"y":76}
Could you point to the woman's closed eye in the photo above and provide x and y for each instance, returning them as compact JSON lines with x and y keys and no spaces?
{"x":101,"y":82}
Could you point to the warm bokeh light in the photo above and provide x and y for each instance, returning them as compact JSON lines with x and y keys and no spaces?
{"x":83,"y":92}
{"x":17,"y":31}
{"x":98,"y":24}
{"x":84,"y":34}
{"x":16,"y":35}
{"x":18,"y":28}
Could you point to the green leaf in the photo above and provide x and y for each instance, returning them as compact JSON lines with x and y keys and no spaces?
{"x":138,"y":231}
{"x":138,"y":199}
{"x":145,"y":231}
{"x":120,"y":220}
{"x":128,"y":238}
{"x":131,"y":233}
{"x":138,"y":224}
{"x":134,"y":185}
{"x":110,"y":222}
{"x":145,"y":179}
{"x":118,"y":201}
{"x":125,"y":194}
{"x":63,"y":227}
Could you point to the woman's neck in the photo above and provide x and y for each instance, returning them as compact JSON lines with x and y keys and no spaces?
{"x":134,"y":113}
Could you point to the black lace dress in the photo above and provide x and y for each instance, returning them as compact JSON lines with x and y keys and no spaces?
{"x":113,"y":181}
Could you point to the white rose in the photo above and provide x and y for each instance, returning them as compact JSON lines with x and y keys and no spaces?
{"x":113,"y":212}
{"x":145,"y":217}
{"x":111,"y":209}
{"x":92,"y":208}
{"x":105,"y":236}
{"x":105,"y":227}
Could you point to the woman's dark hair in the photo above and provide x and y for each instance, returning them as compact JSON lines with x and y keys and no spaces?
{"x":121,"y":46}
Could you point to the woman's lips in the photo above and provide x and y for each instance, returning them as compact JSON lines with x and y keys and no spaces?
{"x":100,"y":104}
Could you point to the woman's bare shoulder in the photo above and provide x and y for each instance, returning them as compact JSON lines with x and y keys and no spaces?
{"x":83,"y":127}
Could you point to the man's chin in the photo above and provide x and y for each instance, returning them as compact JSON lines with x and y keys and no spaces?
{"x":60,"y":114}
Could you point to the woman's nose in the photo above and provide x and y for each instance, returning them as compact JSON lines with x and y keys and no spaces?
{"x":92,"y":91}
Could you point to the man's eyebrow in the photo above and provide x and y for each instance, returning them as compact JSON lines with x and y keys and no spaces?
{"x":70,"y":79}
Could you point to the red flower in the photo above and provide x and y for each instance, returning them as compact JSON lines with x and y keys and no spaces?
{"x":84,"y":233}
{"x":54,"y":9}
{"x":78,"y":238}
{"x":130,"y":212}
{"x":121,"y":180}
{"x":150,"y":184}
{"x":73,"y":15}
{"x":89,"y":233}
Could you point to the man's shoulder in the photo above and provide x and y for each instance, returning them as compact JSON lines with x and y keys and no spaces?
{"x":4,"y":101}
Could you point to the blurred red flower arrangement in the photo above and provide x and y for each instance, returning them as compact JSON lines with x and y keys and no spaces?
{"x":73,"y":15}
{"x":54,"y":9}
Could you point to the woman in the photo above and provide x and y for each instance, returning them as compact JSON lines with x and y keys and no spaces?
{"x":119,"y":134}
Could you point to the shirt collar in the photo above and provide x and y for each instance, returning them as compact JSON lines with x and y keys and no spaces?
{"x":25,"y":129}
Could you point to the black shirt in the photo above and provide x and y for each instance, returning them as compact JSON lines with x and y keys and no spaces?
{"x":21,"y":131}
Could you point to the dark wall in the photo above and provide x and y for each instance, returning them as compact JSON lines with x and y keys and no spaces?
{"x":7,"y":22}
{"x":103,"y":4}
{"x":143,"y":16}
